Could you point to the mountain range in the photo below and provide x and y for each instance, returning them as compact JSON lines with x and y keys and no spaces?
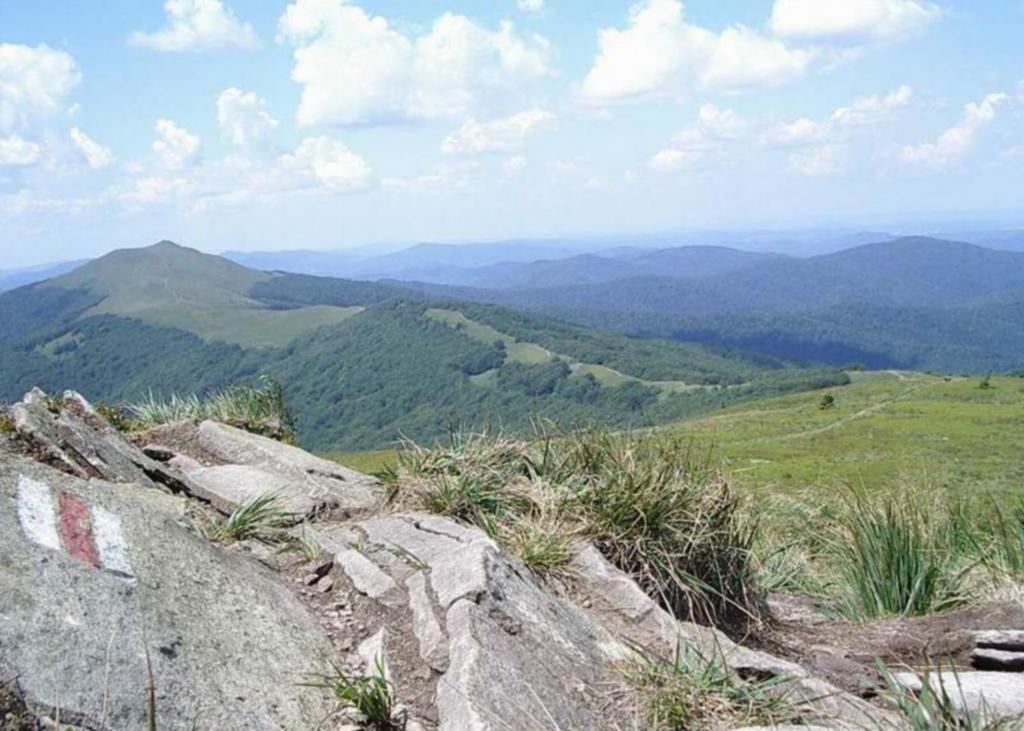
{"x":362,"y":363}
{"x":913,"y":302}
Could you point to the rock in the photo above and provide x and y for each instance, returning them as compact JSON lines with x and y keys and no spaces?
{"x":991,"y":695}
{"x":159,"y":453}
{"x":320,"y":566}
{"x":323,"y":480}
{"x":1000,"y":639}
{"x":367,"y":577}
{"x":310,"y":579}
{"x":68,"y":434}
{"x":373,"y":653}
{"x":618,"y":603}
{"x":230,"y":486}
{"x":325,"y":585}
{"x":516,"y":654}
{"x":97,"y":575}
{"x":984,"y":658}
{"x":425,"y":625}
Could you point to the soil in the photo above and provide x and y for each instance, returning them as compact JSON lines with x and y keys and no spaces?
{"x":847,"y":653}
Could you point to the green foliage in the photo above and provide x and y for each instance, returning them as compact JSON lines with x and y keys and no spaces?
{"x":827,"y":401}
{"x":899,"y":558}
{"x":986,"y":382}
{"x":260,"y":410}
{"x":652,"y":505}
{"x":260,"y":516}
{"x":934,"y":708}
{"x":695,"y":693}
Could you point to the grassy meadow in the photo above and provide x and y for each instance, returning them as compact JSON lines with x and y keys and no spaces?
{"x":884,"y":431}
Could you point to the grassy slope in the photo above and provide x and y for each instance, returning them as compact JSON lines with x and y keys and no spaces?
{"x":885,"y":430}
{"x":171,"y":286}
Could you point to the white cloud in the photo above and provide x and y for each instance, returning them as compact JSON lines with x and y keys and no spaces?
{"x":514,"y":165}
{"x":96,"y":155}
{"x":356,"y":68}
{"x":499,"y":135}
{"x":817,"y":161}
{"x":671,"y":160}
{"x":873,"y":109}
{"x":863,"y":112}
{"x":956,"y":142}
{"x":706,"y":138}
{"x":331,"y":163}
{"x":243,"y":118}
{"x":659,"y":53}
{"x":175,"y":147}
{"x":17,"y":152}
{"x":34,"y":82}
{"x":851,"y":21}
{"x":198,"y":25}
{"x":530,"y":6}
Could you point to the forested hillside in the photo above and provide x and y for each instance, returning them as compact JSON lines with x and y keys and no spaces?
{"x":361,"y":363}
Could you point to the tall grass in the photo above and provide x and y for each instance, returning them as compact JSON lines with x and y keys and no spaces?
{"x":651,"y":503}
{"x":903,"y":555}
{"x":260,"y":409}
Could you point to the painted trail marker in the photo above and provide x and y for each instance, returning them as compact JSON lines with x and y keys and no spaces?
{"x":87,"y":533}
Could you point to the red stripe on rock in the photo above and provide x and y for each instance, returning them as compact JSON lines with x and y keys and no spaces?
{"x":76,"y":529}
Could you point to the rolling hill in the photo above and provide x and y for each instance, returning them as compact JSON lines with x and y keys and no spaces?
{"x":361,"y":363}
{"x":913,"y":303}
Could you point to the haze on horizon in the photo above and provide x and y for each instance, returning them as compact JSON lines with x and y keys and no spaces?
{"x":326,"y":124}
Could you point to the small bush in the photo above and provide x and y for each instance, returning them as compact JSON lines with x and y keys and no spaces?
{"x":651,"y":504}
{"x":827,"y":402}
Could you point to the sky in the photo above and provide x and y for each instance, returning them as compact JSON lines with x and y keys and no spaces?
{"x":324,"y":124}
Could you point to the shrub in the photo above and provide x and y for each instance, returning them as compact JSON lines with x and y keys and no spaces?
{"x":827,"y":402}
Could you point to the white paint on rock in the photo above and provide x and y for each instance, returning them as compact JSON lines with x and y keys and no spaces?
{"x":110,"y":543}
{"x":37,"y":514}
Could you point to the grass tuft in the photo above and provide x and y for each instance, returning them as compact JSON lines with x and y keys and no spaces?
{"x":261,"y":410}
{"x":370,"y":698}
{"x":696,"y":692}
{"x":899,"y":558}
{"x":651,"y":504}
{"x":260,"y":517}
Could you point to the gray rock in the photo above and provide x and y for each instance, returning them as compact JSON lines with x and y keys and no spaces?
{"x":990,"y":695}
{"x":1005,"y":639}
{"x":425,"y":625}
{"x":229,"y":486}
{"x":618,"y":603}
{"x":159,"y":453}
{"x":367,"y":577}
{"x":323,"y":480}
{"x":96,"y":575}
{"x":984,"y":658}
{"x":517,"y":656}
{"x":77,"y":440}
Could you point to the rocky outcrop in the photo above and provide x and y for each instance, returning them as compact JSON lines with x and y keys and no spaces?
{"x":105,"y":599}
{"x":499,"y":646}
{"x":991,"y":696}
{"x":113,"y":605}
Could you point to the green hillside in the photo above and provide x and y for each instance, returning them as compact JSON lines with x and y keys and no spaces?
{"x":362,"y":364}
{"x":886,"y":431}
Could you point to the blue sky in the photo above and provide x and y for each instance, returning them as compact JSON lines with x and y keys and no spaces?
{"x":256,"y":124}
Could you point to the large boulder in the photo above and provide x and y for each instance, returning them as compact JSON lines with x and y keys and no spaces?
{"x":991,"y":696}
{"x":105,"y":593}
